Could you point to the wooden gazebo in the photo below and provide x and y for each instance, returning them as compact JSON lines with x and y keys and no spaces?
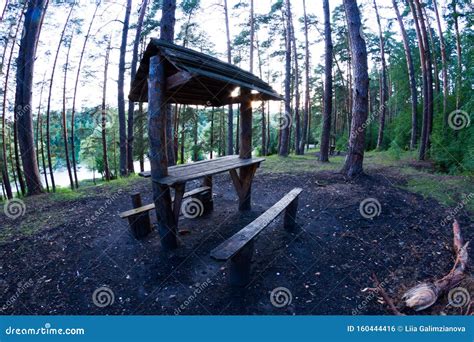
{"x":171,"y":74}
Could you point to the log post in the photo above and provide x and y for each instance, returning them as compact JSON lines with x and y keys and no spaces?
{"x":140,"y":223}
{"x":289,"y":220}
{"x":240,"y":264}
{"x":245,"y":150}
{"x":207,"y":198}
{"x":157,"y":109}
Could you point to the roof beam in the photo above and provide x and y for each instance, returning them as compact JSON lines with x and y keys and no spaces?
{"x":178,"y":79}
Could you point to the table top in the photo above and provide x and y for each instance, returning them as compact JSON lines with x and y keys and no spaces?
{"x":187,"y":172}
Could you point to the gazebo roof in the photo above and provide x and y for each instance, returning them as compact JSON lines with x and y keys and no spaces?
{"x":197,"y":78}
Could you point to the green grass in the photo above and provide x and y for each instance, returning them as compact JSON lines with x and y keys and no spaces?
{"x":299,"y":164}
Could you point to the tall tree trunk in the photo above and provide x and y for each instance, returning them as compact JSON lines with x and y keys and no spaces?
{"x":121,"y":95}
{"x":48,"y":109}
{"x":65,"y":139}
{"x":428,"y":90}
{"x":304,"y":137}
{"x":133,"y":73}
{"x":421,"y":48}
{"x":458,"y":53}
{"x":24,"y":86}
{"x":444,"y":65}
{"x":411,"y":78}
{"x":327,"y":102}
{"x":104,"y":113}
{"x":230,"y":114}
{"x":383,"y":85}
{"x":296,"y":87}
{"x":285,"y":125}
{"x":262,"y":107}
{"x":167,"y":33}
{"x":76,"y":86}
{"x":5,"y":177}
{"x":353,"y":165}
{"x":252,"y":34}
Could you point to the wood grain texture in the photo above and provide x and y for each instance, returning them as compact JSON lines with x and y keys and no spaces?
{"x":231,"y":246}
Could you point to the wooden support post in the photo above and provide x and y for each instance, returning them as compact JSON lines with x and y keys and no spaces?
{"x":240,"y":264}
{"x":157,"y":108}
{"x":289,"y":221}
{"x":139,"y":223}
{"x":245,"y":150}
{"x":207,"y":196}
{"x":178,"y":199}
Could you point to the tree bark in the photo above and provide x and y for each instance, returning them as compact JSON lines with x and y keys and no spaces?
{"x":167,"y":33}
{"x":285,"y":125}
{"x":104,"y":113}
{"x":133,"y":72}
{"x":411,"y":78}
{"x":252,"y":35}
{"x":76,"y":85}
{"x":157,"y":121}
{"x":64,"y":122}
{"x":428,"y":80}
{"x":459,"y":55}
{"x":304,"y":137}
{"x":383,"y":85}
{"x":23,"y":110}
{"x":353,"y":165}
{"x":120,"y":93}
{"x":444,"y":65}
{"x":327,"y":110}
{"x":296,"y":85}
{"x":5,"y":177}
{"x":48,"y":109}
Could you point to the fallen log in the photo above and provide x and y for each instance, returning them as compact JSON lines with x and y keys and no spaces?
{"x":424,"y":295}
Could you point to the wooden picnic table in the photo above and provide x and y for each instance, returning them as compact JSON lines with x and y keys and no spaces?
{"x":180,"y":174}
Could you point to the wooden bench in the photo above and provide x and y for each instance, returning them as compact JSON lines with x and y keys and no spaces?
{"x":239,"y":248}
{"x":138,"y":217}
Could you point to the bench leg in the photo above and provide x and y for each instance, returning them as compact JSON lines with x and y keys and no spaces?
{"x":140,"y":223}
{"x":239,"y":271}
{"x":206,"y":197}
{"x":243,"y":185}
{"x":289,"y":221}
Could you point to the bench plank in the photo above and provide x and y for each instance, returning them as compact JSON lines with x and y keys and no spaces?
{"x":151,"y":206}
{"x":231,"y":246}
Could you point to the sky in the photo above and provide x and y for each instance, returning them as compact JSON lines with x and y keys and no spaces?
{"x":111,"y":13}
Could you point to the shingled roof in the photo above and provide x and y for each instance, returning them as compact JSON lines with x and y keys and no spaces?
{"x":197,"y":78}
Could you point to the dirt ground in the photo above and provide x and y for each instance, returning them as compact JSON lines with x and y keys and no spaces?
{"x":325,"y":265}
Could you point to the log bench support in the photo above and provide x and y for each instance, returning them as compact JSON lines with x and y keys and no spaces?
{"x":139,"y":223}
{"x":243,"y":185}
{"x":239,"y":248}
{"x":139,"y":218}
